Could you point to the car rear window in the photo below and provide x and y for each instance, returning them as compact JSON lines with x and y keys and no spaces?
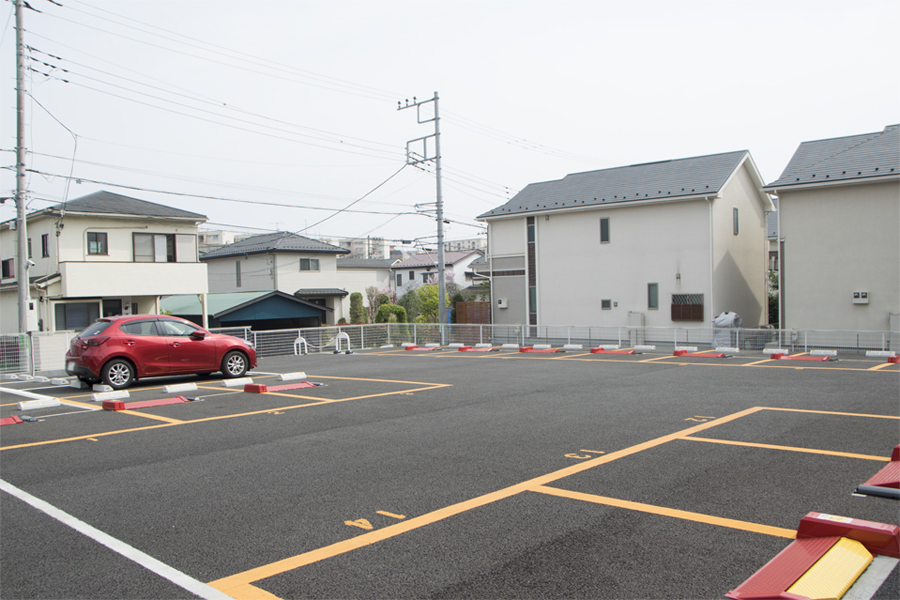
{"x":95,"y":328}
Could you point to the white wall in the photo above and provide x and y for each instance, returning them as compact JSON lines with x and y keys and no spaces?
{"x":838,"y":240}
{"x":648,"y":244}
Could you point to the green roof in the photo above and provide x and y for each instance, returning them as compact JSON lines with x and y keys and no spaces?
{"x":189,"y":304}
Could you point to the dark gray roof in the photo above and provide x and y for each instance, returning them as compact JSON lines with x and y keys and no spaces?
{"x":320,"y":292}
{"x":684,"y":177}
{"x":282,"y":241}
{"x":845,"y":158}
{"x":429,"y":259}
{"x":115,"y":204}
{"x":363,"y":263}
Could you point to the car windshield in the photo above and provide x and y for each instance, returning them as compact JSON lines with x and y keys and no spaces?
{"x":95,"y":329}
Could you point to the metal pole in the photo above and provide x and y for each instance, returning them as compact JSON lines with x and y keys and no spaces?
{"x":22,"y":251}
{"x":442,"y":284}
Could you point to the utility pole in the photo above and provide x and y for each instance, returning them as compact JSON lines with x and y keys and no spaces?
{"x":415,"y":158}
{"x":22,"y":253}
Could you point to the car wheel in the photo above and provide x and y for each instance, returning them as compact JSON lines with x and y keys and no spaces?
{"x":118,"y":374}
{"x":234,"y":364}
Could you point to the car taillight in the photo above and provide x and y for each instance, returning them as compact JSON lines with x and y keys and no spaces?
{"x":97,"y":341}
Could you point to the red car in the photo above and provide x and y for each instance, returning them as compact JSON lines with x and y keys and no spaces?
{"x":119,"y":350}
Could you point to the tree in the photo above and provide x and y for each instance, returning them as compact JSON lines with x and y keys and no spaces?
{"x":390,"y":313}
{"x":411,"y":302}
{"x":358,"y":313}
{"x":377,"y":297}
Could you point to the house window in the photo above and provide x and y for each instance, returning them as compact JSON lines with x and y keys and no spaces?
{"x":425,"y":277}
{"x":531,"y":233}
{"x":687,"y":307}
{"x":96,"y":241}
{"x":606,"y":304}
{"x":652,"y":296}
{"x":412,"y":275}
{"x":29,"y":247}
{"x":45,"y":245}
{"x":604,"y":230}
{"x":735,"y":220}
{"x":532,"y":300}
{"x":399,"y":280}
{"x":112,"y":308}
{"x":237,"y":273}
{"x":309,"y":264}
{"x":7,"y":267}
{"x":164,"y":247}
{"x":76,"y":315}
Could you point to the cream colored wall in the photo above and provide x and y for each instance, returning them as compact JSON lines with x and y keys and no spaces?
{"x":256,"y":273}
{"x":507,"y":247}
{"x":838,"y":240}
{"x":740,"y":261}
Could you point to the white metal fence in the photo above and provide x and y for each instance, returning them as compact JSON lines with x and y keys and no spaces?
{"x":44,"y":352}
{"x":325,"y":339}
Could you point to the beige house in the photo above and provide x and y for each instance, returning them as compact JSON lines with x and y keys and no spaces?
{"x":663,"y":244}
{"x":839,"y":213}
{"x":102,"y":254}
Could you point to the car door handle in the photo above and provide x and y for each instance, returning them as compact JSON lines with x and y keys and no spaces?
{"x":129,"y":342}
{"x":176,"y":344}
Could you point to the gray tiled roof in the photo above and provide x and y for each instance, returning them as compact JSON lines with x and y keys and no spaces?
{"x":845,"y":158}
{"x":282,"y":241}
{"x":684,"y":177}
{"x":363,"y":263}
{"x":320,"y":292}
{"x":115,"y":204}
{"x":429,"y":259}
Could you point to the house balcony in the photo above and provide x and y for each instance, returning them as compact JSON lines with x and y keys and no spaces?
{"x":111,"y":279}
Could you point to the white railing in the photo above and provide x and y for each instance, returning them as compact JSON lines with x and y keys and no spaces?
{"x":44,"y":352}
{"x":328,"y":339}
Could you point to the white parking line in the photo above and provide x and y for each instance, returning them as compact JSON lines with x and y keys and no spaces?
{"x":148,"y":562}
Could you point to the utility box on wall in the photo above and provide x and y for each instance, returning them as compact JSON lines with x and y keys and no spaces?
{"x":502,"y":303}
{"x":860,"y":297}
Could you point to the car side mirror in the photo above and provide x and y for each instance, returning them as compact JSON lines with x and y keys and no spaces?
{"x":198,"y":335}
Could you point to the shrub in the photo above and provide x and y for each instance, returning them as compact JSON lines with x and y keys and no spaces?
{"x":358,"y":313}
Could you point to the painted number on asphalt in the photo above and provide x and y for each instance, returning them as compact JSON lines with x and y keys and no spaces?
{"x":582,"y":457}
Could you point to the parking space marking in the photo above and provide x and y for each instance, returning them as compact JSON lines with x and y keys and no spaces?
{"x":135,"y":413}
{"x":129,"y":552}
{"x":174,"y":422}
{"x":239,"y":585}
{"x":788,"y":448}
{"x":668,"y":512}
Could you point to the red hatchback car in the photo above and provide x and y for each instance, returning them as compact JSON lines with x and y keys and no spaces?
{"x":119,"y":350}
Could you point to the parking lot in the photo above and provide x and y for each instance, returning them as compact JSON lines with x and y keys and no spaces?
{"x":443,"y":474}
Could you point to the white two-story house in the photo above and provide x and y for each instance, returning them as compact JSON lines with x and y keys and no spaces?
{"x":103,"y":254}
{"x":285,"y":262}
{"x":662,"y":244}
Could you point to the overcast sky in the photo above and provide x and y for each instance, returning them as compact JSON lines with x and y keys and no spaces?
{"x":274,"y":115}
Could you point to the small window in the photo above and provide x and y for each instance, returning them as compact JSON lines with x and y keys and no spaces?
{"x":96,"y":241}
{"x":532,"y":300}
{"x":139,"y":328}
{"x":399,"y":280}
{"x":604,"y":230}
{"x":8,"y":267}
{"x":176,"y":328}
{"x":412,"y":275}
{"x":29,"y":247}
{"x":652,"y":296}
{"x":425,"y":277}
{"x":237,"y":273}
{"x":531,"y":234}
{"x":606,"y":304}
{"x":45,"y":245}
{"x":736,"y":220}
{"x":309,"y":264}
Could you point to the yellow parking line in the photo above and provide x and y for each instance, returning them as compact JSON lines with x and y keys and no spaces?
{"x":788,"y":448}
{"x":233,"y":584}
{"x":669,"y":512}
{"x":829,"y":412}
